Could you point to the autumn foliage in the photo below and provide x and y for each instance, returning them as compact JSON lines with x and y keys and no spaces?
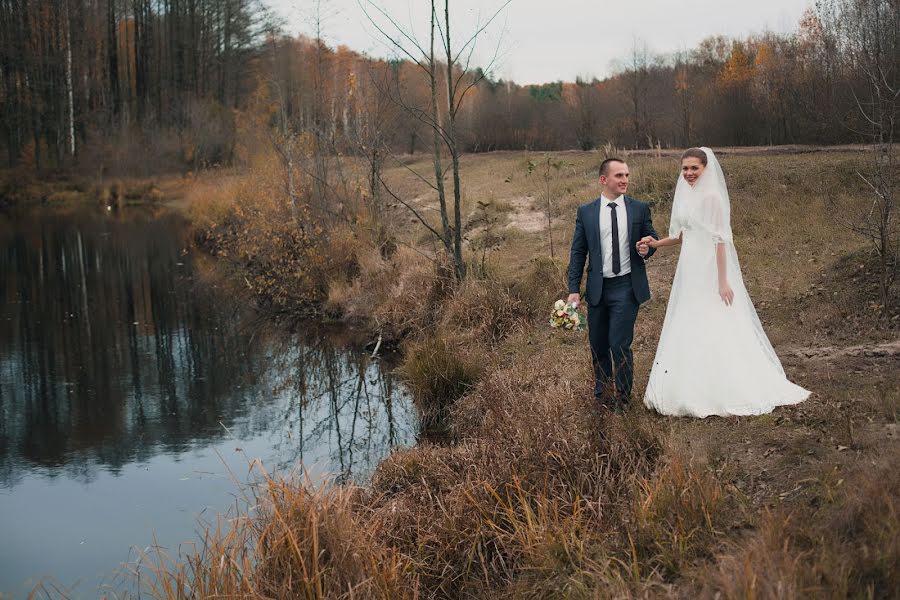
{"x":142,"y":87}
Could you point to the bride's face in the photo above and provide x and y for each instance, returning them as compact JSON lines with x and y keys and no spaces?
{"x":691,"y":168}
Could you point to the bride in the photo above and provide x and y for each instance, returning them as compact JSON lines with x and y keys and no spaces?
{"x":713,"y":356}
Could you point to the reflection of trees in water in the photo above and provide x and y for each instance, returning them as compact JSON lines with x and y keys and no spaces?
{"x":102,"y":347}
{"x":341,"y":401}
{"x":110,"y":353}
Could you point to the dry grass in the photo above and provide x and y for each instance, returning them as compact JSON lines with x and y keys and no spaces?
{"x":396,"y":297}
{"x":679,"y":514}
{"x":534,"y":493}
{"x":526,"y":501}
{"x":438,"y":373}
{"x":304,"y":542}
{"x":852,"y":551}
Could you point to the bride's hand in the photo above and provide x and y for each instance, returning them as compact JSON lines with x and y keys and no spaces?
{"x":726,"y":293}
{"x":648,"y":240}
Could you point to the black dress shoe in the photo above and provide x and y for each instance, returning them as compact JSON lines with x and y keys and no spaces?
{"x":607,"y":406}
{"x":619,"y":406}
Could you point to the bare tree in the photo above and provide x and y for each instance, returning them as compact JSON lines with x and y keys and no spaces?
{"x":321,"y":121}
{"x":284,"y":140}
{"x":684,"y":107}
{"x":547,"y":172}
{"x":869,"y":31}
{"x":587,"y":115}
{"x":376,"y":116}
{"x":70,"y":103}
{"x":455,"y":79}
{"x":637,"y":77}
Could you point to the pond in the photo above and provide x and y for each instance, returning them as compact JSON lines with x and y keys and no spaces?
{"x":136,"y":388}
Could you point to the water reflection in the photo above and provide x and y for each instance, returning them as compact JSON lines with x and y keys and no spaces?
{"x":129,"y":386}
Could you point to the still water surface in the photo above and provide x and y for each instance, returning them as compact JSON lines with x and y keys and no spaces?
{"x":134,"y":392}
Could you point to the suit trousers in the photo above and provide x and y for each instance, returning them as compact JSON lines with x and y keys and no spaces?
{"x":611,"y":332}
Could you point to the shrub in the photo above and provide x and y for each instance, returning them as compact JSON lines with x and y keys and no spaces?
{"x":437,"y":373}
{"x":281,"y":248}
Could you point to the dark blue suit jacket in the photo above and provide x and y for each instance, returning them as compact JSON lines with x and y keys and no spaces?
{"x":586,"y":246}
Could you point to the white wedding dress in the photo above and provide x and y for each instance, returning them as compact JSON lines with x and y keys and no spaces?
{"x":712,"y":359}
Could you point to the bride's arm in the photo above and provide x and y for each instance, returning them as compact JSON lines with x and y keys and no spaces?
{"x":725,"y":291}
{"x":669,"y":241}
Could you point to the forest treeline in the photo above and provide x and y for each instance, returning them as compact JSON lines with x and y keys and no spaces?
{"x":136,"y":86}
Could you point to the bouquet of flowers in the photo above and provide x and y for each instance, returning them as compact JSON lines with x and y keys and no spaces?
{"x":565,"y":316}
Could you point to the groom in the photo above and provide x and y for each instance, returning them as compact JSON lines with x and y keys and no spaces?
{"x":607,"y":233}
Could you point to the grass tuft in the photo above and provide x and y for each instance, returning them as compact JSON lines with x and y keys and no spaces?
{"x":678,"y":514}
{"x":437,"y":373}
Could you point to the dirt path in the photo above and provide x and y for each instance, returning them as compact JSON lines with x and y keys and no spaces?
{"x":525,"y":218}
{"x":830,"y":353}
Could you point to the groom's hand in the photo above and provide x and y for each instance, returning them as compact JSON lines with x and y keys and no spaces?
{"x":643,"y":246}
{"x":574,"y":299}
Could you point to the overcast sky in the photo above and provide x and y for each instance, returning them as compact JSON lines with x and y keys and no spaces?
{"x":549,"y":40}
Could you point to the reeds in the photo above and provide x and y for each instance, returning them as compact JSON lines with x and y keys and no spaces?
{"x":303,"y":542}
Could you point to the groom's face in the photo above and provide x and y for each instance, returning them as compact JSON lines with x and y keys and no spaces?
{"x":615,"y":182}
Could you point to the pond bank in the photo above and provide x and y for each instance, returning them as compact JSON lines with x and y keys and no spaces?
{"x":21,"y":192}
{"x":140,"y":393}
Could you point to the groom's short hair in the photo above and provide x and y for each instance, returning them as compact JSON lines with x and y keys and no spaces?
{"x":604,"y":166}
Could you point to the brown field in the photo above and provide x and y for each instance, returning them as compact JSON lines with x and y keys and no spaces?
{"x":531,"y":491}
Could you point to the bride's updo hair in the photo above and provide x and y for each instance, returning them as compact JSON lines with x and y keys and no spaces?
{"x":695,"y":153}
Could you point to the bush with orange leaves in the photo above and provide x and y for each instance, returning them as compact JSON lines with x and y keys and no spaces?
{"x":285,"y":251}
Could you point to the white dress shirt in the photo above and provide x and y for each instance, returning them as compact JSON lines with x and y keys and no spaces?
{"x":606,"y":236}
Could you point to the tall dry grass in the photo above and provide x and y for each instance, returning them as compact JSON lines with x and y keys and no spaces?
{"x":303,"y":542}
{"x":529,"y":498}
{"x":438,"y":373}
{"x":679,"y":514}
{"x":850,"y":548}
{"x":396,"y":297}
